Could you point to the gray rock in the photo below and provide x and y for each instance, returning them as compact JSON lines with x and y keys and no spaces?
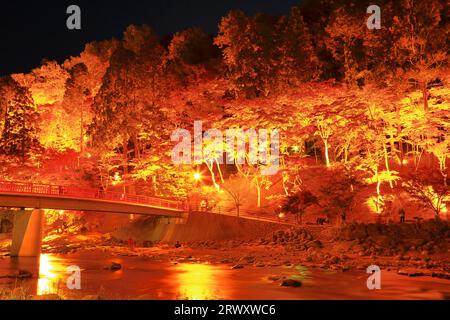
{"x":114,"y":266}
{"x":291,"y":283}
{"x":24,"y":274}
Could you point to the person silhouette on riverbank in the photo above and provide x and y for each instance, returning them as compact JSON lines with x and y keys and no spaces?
{"x":101,"y":192}
{"x":131,"y":243}
{"x":402,"y":215}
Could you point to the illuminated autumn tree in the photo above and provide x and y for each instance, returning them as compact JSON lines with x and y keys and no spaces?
{"x":409,"y":52}
{"x":427,"y":189}
{"x":339,"y":190}
{"x":297,"y":204}
{"x":441,"y":151}
{"x":248,"y":48}
{"x":373,"y":153}
{"x":112,"y":103}
{"x":106,"y":163}
{"x":127,"y":107}
{"x":265,"y":53}
{"x":95,"y":57}
{"x":427,"y":132}
{"x":82,"y":77}
{"x":76,"y":103}
{"x":250,"y":163}
{"x":345,"y":34}
{"x":298,"y":60}
{"x":19,"y":132}
{"x":46,"y":83}
{"x":192,"y":47}
{"x":237,"y":191}
{"x":383,"y":107}
{"x":324,"y":131}
{"x":423,"y":41}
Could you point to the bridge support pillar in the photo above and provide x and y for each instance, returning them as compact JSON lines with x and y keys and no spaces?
{"x":27,"y":233}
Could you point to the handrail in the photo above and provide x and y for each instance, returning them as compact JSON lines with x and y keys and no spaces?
{"x":86,"y":193}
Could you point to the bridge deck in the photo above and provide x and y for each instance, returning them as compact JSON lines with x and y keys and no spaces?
{"x":41,"y":196}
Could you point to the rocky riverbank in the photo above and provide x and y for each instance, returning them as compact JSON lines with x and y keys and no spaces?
{"x":413,"y":250}
{"x":410,"y":250}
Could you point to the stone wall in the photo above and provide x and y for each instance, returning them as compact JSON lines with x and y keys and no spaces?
{"x":199,"y":226}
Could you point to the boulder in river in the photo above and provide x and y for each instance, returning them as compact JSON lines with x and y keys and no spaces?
{"x":21,"y":274}
{"x":24,"y":274}
{"x":114,"y":266}
{"x":291,"y":283}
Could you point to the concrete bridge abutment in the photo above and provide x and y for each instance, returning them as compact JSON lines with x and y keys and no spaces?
{"x":27,"y":233}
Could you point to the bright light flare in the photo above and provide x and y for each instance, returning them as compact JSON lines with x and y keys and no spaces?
{"x":200,"y":282}
{"x":48,"y":282}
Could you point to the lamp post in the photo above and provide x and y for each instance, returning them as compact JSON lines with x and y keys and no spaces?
{"x":196,"y":177}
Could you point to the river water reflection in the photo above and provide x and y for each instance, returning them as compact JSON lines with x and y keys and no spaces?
{"x":201,"y":282}
{"x":142,"y":278}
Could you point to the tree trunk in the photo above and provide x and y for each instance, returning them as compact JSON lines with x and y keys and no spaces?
{"x":425,"y":96}
{"x":213,"y":176}
{"x":399,"y":131}
{"x":315,"y":151}
{"x":298,"y":218}
{"x":137,"y":149}
{"x":393,"y":152}
{"x":81,"y":129}
{"x":125,"y":162}
{"x":377,"y":202}
{"x":386,"y":160}
{"x":220,"y":171}
{"x":443,"y":172}
{"x":5,"y":118}
{"x":286,"y":192}
{"x":23,"y":140}
{"x":155,"y":189}
{"x":327,"y":157}
{"x":258,"y":189}
{"x":346,"y":149}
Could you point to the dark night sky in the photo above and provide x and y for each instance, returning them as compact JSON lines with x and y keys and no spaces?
{"x":32,"y":31}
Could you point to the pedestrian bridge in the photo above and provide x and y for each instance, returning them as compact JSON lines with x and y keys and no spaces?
{"x":33,"y":198}
{"x":42,"y":196}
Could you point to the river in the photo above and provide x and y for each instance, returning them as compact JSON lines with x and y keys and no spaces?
{"x":144,"y":279}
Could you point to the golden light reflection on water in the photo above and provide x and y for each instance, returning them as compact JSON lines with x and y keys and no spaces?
{"x":49,"y":275}
{"x":201,"y":282}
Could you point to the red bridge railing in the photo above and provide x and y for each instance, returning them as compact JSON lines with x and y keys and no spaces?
{"x":82,"y":193}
